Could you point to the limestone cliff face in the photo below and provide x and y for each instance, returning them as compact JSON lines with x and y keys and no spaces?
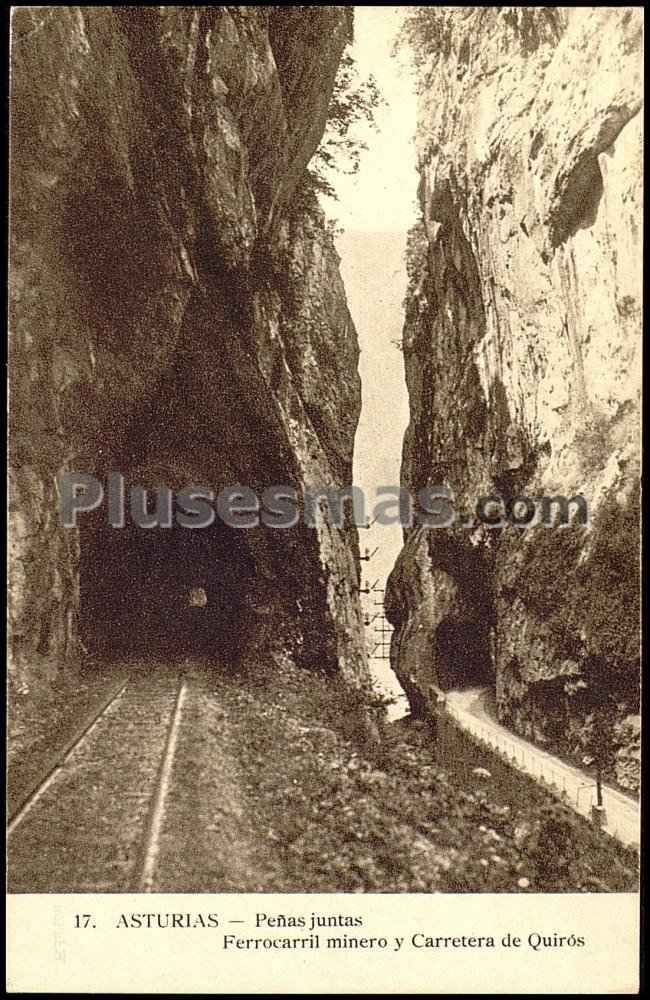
{"x":522,"y":354}
{"x":176,"y":312}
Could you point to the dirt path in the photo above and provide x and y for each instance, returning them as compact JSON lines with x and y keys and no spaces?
{"x":623,"y":814}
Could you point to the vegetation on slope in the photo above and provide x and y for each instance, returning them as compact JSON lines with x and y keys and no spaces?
{"x":347,"y":813}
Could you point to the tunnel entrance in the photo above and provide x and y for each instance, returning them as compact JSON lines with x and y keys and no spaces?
{"x":163,"y":591}
{"x":462,"y":655}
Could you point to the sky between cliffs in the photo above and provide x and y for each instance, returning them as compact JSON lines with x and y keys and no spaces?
{"x":376,"y":208}
{"x":382,"y":195}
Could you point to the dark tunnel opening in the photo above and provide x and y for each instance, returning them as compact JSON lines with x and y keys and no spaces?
{"x":163,"y":591}
{"x":462,"y":655}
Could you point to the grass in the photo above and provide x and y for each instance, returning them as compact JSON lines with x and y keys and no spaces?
{"x":351,"y":813}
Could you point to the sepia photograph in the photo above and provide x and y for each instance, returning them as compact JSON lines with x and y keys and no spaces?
{"x":325,"y":349}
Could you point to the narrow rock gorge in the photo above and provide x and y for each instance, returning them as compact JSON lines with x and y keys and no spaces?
{"x":202,"y":710}
{"x":177,"y":316}
{"x":522,"y":354}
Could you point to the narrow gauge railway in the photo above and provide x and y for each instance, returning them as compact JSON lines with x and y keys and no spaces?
{"x":93,"y":819}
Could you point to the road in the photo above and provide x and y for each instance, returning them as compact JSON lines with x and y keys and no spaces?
{"x":469,"y":708}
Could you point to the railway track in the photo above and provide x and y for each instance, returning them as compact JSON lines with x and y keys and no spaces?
{"x":19,"y":810}
{"x":92,"y":821}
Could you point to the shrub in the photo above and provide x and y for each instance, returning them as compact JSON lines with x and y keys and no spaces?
{"x":427,"y":31}
{"x":593,"y":444}
{"x":598,"y":595}
{"x":354,"y":101}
